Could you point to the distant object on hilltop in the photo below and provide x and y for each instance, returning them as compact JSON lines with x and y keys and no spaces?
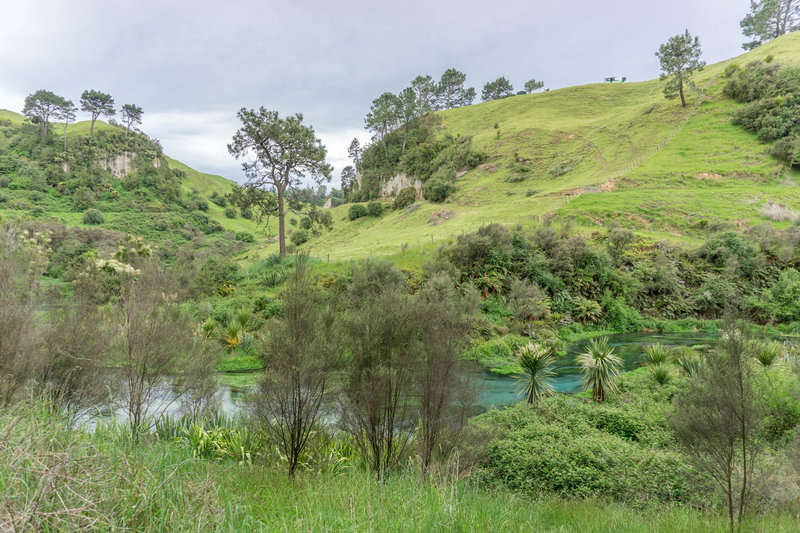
{"x":614,"y":79}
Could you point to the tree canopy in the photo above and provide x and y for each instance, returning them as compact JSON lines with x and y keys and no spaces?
{"x":533,"y":85}
{"x":425,"y":89}
{"x":66,"y":113}
{"x":42,"y":105}
{"x":383,"y":116}
{"x":97,"y":103}
{"x":497,"y":89}
{"x":679,"y":58}
{"x":131,"y":114}
{"x":769,"y":19}
{"x":281,"y":153}
{"x":450,"y":92}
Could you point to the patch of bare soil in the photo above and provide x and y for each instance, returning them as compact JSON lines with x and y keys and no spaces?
{"x":711,"y":176}
{"x":440,"y":217}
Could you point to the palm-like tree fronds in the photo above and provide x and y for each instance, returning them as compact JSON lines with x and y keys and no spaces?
{"x":231,"y":336}
{"x":208,"y":328}
{"x":247,"y":343}
{"x":656,"y":354}
{"x":661,"y":372}
{"x":768,"y":353}
{"x":242,"y":318}
{"x":536,"y":380}
{"x":600,"y":368}
{"x":689,"y":362}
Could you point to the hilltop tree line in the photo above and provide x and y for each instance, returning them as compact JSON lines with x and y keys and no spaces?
{"x":390,"y":111}
{"x":42,"y":106}
{"x":769,"y":19}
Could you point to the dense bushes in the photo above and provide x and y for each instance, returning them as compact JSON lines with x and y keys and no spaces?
{"x":437,"y":190}
{"x":374,"y":209}
{"x":405,"y":198}
{"x":426,"y":156}
{"x":567,"y":447}
{"x":772,"y":110}
{"x":93,"y":217}
{"x":299,"y":237}
{"x":357,"y":211}
{"x":554,"y":277}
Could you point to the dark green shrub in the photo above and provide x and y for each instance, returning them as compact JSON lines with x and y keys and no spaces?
{"x":219,"y":200}
{"x":357,"y":211}
{"x":405,"y":198}
{"x":306,"y":223}
{"x":299,"y":237}
{"x":730,"y":70}
{"x":93,"y":217}
{"x":83,"y":198}
{"x":437,"y":190}
{"x":230,"y":212}
{"x":36,"y":196}
{"x":243,"y":236}
{"x":374,"y":209}
{"x":567,"y":448}
{"x":247,"y":213}
{"x":200,"y":203}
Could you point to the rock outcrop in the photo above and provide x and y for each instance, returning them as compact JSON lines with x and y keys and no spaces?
{"x":399,"y":182}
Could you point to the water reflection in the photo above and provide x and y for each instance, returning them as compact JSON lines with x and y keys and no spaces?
{"x":499,"y":391}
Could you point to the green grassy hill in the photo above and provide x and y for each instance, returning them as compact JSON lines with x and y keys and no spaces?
{"x":129,"y":219}
{"x":599,"y":152}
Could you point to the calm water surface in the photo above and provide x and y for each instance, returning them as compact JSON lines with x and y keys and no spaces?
{"x":498,"y":391}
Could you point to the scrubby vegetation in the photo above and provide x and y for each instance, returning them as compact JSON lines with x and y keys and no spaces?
{"x":771,"y":93}
{"x":419,"y":153}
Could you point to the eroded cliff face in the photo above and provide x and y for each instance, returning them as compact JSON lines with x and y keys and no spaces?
{"x":395,"y":184}
{"x":399,"y":182}
{"x":120,"y":165}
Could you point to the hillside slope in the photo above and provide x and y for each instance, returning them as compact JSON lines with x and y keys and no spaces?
{"x":598,"y":152}
{"x":192,"y":183}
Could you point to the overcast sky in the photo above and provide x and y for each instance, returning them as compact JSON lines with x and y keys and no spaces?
{"x":192,"y":64}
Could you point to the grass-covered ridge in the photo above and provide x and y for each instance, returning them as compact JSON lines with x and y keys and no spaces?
{"x":159,"y":199}
{"x":596,"y":152}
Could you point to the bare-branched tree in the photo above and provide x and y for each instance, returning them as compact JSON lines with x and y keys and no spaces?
{"x":157,"y":346}
{"x":298,"y":359}
{"x":443,"y":378}
{"x":718,"y":419}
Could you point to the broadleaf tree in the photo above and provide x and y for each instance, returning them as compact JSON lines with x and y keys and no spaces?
{"x":131,"y":114}
{"x":497,"y":89}
{"x":41,"y":106}
{"x":97,"y":103}
{"x":769,"y":19}
{"x":280,"y":153}
{"x":679,"y":58}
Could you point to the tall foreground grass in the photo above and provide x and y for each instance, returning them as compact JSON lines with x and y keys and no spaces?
{"x":53,"y":478}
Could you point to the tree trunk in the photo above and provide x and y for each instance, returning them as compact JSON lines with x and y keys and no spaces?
{"x":44,"y":130}
{"x":65,"y":135}
{"x":680,"y":89}
{"x":91,"y":128}
{"x":281,"y":228}
{"x":785,"y":17}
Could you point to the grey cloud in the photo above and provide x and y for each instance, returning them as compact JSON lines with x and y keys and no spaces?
{"x":192,"y":64}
